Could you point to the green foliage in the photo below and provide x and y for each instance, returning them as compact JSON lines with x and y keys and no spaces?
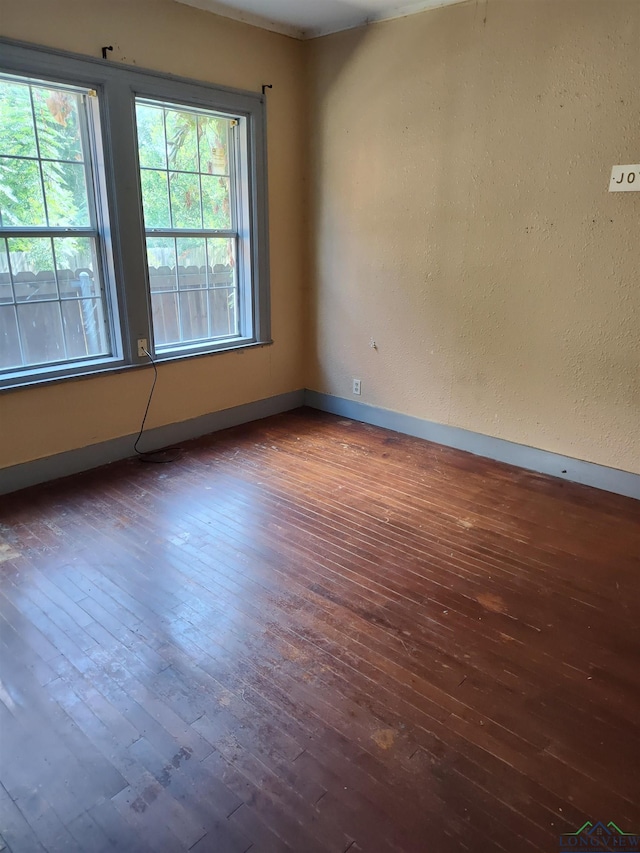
{"x":185,"y":171}
{"x":42,"y":124}
{"x":184,"y":157}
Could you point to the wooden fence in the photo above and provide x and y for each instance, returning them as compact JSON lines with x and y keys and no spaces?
{"x":47,"y":318}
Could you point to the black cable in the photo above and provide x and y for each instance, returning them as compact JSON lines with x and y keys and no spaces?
{"x":159,"y":456}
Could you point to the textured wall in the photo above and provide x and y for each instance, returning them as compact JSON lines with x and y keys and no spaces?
{"x":461,"y":160}
{"x":177,"y":39}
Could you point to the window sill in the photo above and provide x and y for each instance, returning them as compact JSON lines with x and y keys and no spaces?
{"x":119,"y":367}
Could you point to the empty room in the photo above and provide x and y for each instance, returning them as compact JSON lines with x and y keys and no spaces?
{"x":319,"y":426}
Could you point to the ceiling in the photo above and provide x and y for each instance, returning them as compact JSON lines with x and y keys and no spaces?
{"x":311,"y":18}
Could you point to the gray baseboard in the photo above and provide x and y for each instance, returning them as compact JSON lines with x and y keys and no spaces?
{"x":531,"y":458}
{"x":84,"y":458}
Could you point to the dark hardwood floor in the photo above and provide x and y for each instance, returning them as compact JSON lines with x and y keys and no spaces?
{"x":312,"y":635}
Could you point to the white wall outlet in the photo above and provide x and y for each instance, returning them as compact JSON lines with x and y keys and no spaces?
{"x":357,"y":386}
{"x":143,"y":347}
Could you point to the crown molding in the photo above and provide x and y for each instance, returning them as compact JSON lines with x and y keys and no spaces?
{"x":264,"y":23}
{"x":389,"y":12}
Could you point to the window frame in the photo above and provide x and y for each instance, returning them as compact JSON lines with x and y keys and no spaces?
{"x":96,"y":198}
{"x":123,"y":242}
{"x":239,"y":206}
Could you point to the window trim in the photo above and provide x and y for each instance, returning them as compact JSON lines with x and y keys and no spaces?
{"x":239,"y":197}
{"x":116,"y":154}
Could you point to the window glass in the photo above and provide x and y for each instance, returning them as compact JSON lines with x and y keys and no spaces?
{"x":193,"y":279}
{"x":53,"y":306}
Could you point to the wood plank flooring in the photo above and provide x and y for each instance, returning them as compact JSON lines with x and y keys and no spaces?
{"x":312,"y":635}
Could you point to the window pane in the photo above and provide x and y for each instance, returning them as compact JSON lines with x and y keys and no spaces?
{"x":155,"y":199}
{"x":31,"y":259}
{"x":182,"y":141}
{"x":76,"y":267}
{"x":223,"y":297}
{"x":161,"y":251}
{"x":193,"y":315}
{"x":161,"y":258}
{"x":41,"y":332}
{"x":66,"y":192}
{"x":222,"y":307}
{"x":57,"y":123}
{"x":221,"y":254}
{"x":75,"y":284}
{"x":163,"y":279}
{"x":151,"y":138}
{"x":35,"y":287}
{"x":85,"y":328}
{"x":10,"y":355}
{"x":185,"y":200}
{"x":214,"y":145}
{"x":17,"y":134}
{"x":216,"y":207}
{"x":166,"y":325}
{"x":192,"y":278}
{"x":21,"y":193}
{"x":192,"y":256}
{"x":6,"y":291}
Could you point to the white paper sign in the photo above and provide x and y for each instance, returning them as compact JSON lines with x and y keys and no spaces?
{"x":625,"y":179}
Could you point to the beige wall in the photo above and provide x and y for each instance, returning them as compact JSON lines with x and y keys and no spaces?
{"x":177,"y":39}
{"x":461,"y":160}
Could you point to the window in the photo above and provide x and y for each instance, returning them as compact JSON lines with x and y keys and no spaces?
{"x":52,"y":299}
{"x":132,"y":208}
{"x":190,"y":196}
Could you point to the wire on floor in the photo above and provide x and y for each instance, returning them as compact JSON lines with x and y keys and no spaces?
{"x":166,"y":454}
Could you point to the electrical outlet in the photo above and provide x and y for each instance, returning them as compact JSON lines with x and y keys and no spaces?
{"x":143,"y":347}
{"x":357,"y":386}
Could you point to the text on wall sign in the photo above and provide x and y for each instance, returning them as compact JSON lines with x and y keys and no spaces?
{"x":625,"y":179}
